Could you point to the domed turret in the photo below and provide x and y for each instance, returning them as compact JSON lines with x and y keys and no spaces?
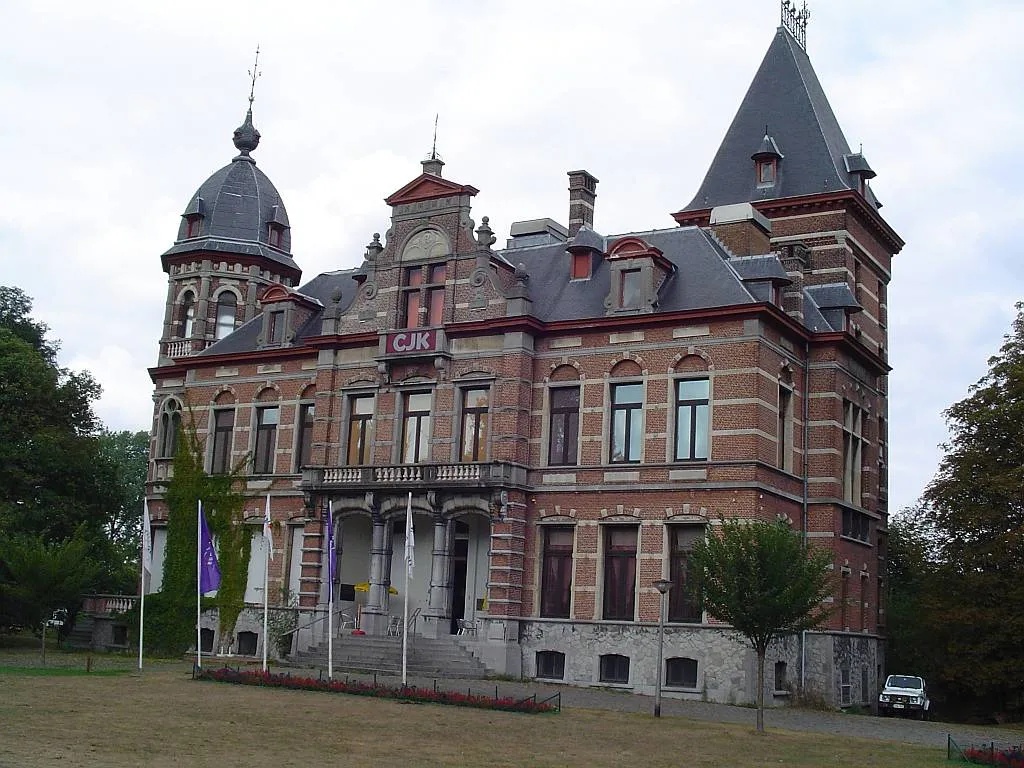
{"x":238,"y":209}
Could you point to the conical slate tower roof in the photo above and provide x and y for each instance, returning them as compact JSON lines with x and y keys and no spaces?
{"x":786,"y":102}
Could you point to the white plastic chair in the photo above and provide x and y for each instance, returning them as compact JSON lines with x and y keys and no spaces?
{"x":466,"y":626}
{"x":395,"y":626}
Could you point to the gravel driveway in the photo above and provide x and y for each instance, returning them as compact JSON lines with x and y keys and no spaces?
{"x":930,"y":734}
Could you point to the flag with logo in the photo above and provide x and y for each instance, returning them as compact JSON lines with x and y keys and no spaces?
{"x":209,"y":569}
{"x":268,"y":534}
{"x":147,"y":545}
{"x":410,"y":539}
{"x":332,"y":556}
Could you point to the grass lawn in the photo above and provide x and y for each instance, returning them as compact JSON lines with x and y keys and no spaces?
{"x":163,"y":718}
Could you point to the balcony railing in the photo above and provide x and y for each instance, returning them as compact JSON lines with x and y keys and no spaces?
{"x":414,"y":476}
{"x":108,"y":604}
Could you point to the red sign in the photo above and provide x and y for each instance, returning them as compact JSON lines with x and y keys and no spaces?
{"x":412,"y":341}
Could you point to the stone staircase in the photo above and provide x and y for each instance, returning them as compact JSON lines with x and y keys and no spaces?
{"x":427,"y":657}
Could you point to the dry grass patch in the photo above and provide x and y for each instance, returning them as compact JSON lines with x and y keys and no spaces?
{"x":163,"y":718}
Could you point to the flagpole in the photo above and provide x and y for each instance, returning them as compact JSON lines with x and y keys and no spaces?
{"x":266,"y":580}
{"x":142,"y":578}
{"x":330,"y":590}
{"x":199,"y":582}
{"x":405,"y":607}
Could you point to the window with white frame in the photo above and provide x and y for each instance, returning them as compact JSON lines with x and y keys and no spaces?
{"x":692,"y":419}
{"x":415,"y":427}
{"x":627,"y":423}
{"x":226,"y":306}
{"x":853,"y":448}
{"x":267,"y":418}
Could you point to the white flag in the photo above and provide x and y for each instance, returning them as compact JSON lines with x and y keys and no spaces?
{"x":267,"y":533}
{"x":147,"y":540}
{"x":410,"y":539}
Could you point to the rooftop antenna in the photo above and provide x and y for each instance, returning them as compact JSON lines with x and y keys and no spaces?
{"x":795,"y":20}
{"x":433,"y":148}
{"x":253,"y":74}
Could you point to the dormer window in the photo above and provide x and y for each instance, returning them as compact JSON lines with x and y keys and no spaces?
{"x":274,"y":234}
{"x":631,"y":289}
{"x":638,"y":271}
{"x":766,"y":161}
{"x":275,"y":326}
{"x":192,"y":225}
{"x":581,"y":266}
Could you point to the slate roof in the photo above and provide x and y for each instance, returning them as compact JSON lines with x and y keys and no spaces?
{"x":321,"y":289}
{"x":766,"y":267}
{"x":237,"y":203}
{"x":785,"y":96}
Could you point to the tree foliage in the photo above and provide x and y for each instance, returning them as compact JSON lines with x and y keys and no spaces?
{"x":223,"y":507}
{"x":37,"y":578}
{"x":973,"y":600}
{"x":761,"y":578}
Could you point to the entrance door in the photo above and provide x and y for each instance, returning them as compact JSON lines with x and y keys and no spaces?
{"x":459,"y":560}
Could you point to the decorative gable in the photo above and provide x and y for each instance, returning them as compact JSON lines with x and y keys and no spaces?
{"x":428,"y":187}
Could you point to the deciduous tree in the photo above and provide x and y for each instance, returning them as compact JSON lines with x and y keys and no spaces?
{"x":763,"y":580}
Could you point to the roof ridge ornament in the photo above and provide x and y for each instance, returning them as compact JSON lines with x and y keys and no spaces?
{"x":246,"y":138}
{"x":795,"y":21}
{"x":432,"y":163}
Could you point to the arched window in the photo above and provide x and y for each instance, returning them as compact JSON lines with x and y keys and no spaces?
{"x":681,"y":672}
{"x":225,"y":314}
{"x":170,"y":423}
{"x":188,"y":314}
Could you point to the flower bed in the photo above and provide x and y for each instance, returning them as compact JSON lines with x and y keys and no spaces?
{"x":1012,"y":757}
{"x":356,"y":688}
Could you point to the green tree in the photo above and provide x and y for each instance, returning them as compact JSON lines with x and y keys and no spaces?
{"x":127,"y":456}
{"x":223,"y":506}
{"x":37,"y":577}
{"x":54,"y":482}
{"x":761,"y":578}
{"x":976,"y":505}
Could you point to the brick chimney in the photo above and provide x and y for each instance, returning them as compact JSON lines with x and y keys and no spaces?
{"x":742,"y":228}
{"x":582,"y":194}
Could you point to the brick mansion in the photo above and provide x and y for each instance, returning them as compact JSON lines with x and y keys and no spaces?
{"x":571,"y":412}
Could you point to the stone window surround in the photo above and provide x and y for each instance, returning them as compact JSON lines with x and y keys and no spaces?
{"x":670,"y":446}
{"x":461,"y":386}
{"x":299,"y":431}
{"x":254,"y":434}
{"x":603,"y":526}
{"x":398,"y":430}
{"x":348,"y":395}
{"x":607,"y":424}
{"x":545,"y":444}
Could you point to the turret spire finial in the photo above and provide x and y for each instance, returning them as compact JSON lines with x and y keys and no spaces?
{"x":246,"y":138}
{"x":433,"y":163}
{"x":795,"y":20}
{"x":253,"y":74}
{"x":433,"y":148}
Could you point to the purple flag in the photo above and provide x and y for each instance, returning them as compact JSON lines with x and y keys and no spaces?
{"x":332,"y":562}
{"x":209,"y":570}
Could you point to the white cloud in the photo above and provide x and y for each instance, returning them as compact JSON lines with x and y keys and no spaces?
{"x":111,"y":116}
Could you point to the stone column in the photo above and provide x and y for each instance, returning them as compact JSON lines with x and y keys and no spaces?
{"x":437,"y":615}
{"x":375,"y":614}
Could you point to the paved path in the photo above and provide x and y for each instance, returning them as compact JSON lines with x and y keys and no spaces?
{"x":786,"y":718}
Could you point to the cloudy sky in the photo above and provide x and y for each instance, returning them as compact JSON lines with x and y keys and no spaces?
{"x":113,"y":113}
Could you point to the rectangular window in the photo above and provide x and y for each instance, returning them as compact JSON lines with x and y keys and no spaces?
{"x":844,"y":600}
{"x":563,"y":439}
{"x":223,"y":427}
{"x":266,"y":440}
{"x":550,"y":665}
{"x":474,"y":424}
{"x":413,"y":279}
{"x":766,"y":172}
{"x":853,"y":446}
{"x":684,"y":602}
{"x":681,"y":672}
{"x":556,"y":572}
{"x":692,"y":410}
{"x":784,"y":435}
{"x":620,"y":572}
{"x":360,"y":418}
{"x":614,"y":668}
{"x":780,"y":676}
{"x":856,"y":525}
{"x":580,"y":266}
{"x":304,"y":447}
{"x":435,"y":295}
{"x":883,"y":461}
{"x":844,"y":688}
{"x":627,"y":423}
{"x":630,"y":292}
{"x":275,"y":329}
{"x":416,"y":427}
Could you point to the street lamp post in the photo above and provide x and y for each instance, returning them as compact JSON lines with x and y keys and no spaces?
{"x":663,"y":586}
